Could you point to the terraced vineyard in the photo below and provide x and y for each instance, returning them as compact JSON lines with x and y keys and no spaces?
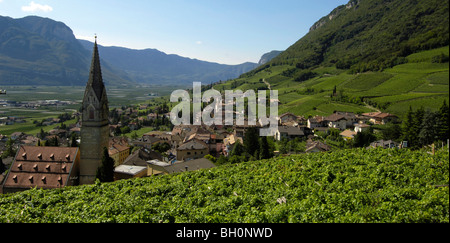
{"x":417,"y":83}
{"x":343,"y":186}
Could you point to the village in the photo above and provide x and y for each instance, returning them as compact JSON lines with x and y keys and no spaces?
{"x":174,"y":149}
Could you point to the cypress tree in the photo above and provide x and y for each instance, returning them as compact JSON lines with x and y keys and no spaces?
{"x":444,"y":122}
{"x":2,"y":166}
{"x":429,"y":132}
{"x":265,"y":152}
{"x":251,"y":140}
{"x":106,"y":172}
{"x":408,"y":126}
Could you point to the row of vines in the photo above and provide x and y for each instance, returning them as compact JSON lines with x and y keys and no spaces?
{"x":343,"y":186}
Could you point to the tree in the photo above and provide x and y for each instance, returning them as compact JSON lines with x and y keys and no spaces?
{"x":429,"y":131}
{"x":284,"y":146}
{"x":2,"y":166}
{"x":10,"y":151}
{"x":417,"y":127}
{"x":407,"y":128}
{"x":222,"y":160}
{"x":444,"y":122}
{"x":134,"y":136}
{"x":211,"y":158}
{"x":42,"y":134}
{"x":392,"y":131}
{"x":264,"y":151}
{"x":238,"y":149}
{"x":251,"y":140}
{"x":106,"y":171}
{"x":73,"y":142}
{"x":363,"y":139}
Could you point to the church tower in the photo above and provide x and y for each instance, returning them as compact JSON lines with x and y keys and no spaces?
{"x":95,"y":123}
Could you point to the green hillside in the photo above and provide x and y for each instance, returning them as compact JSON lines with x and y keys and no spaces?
{"x":371,"y":34}
{"x":379,"y":55}
{"x":418,"y":82}
{"x":342,"y":186}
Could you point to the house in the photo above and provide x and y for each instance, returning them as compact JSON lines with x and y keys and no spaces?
{"x":30,"y":140}
{"x":141,"y":156}
{"x":119,"y":150}
{"x":17,"y":135}
{"x":194,"y":149}
{"x":350,"y":117}
{"x":124,"y":172}
{"x":288,"y":133}
{"x":43,"y":167}
{"x":316,"y":147}
{"x":348,"y":134}
{"x":146,"y":141}
{"x":315,"y":122}
{"x":176,"y":141}
{"x":336,"y":121}
{"x":361,"y":127}
{"x":380,"y":118}
{"x":288,"y":117}
{"x":156,"y":167}
{"x":152,"y":116}
{"x":384,"y":144}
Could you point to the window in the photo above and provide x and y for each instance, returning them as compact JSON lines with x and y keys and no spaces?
{"x":91,"y":114}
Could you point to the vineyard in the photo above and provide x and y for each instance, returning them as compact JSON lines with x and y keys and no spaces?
{"x":343,"y":186}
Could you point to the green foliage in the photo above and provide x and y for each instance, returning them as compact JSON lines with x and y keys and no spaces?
{"x":211,"y":158}
{"x":161,"y":147}
{"x":442,"y":58}
{"x":424,"y":127}
{"x":363,"y":139}
{"x":371,"y":36}
{"x":106,"y":171}
{"x":348,"y":186}
{"x":251,"y":140}
{"x":10,"y":151}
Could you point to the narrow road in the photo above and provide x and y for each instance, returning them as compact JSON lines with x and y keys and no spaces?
{"x":267,"y":83}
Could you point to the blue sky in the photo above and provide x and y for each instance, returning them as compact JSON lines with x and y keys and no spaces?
{"x":223,"y":31}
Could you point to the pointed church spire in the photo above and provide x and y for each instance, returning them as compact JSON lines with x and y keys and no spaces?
{"x":95,"y":75}
{"x":95,"y":123}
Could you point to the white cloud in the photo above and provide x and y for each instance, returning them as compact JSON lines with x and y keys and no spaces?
{"x":35,"y":7}
{"x":199,"y":42}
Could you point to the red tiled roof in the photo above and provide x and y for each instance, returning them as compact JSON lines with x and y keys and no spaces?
{"x":42,"y":167}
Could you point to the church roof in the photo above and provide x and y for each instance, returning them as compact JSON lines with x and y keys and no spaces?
{"x":42,"y":167}
{"x":95,"y":75}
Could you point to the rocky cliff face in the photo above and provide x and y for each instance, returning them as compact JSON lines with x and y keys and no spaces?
{"x":334,"y":14}
{"x":268,"y":57}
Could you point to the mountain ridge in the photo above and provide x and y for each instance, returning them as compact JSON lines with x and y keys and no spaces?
{"x":42,"y":51}
{"x":152,"y":65}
